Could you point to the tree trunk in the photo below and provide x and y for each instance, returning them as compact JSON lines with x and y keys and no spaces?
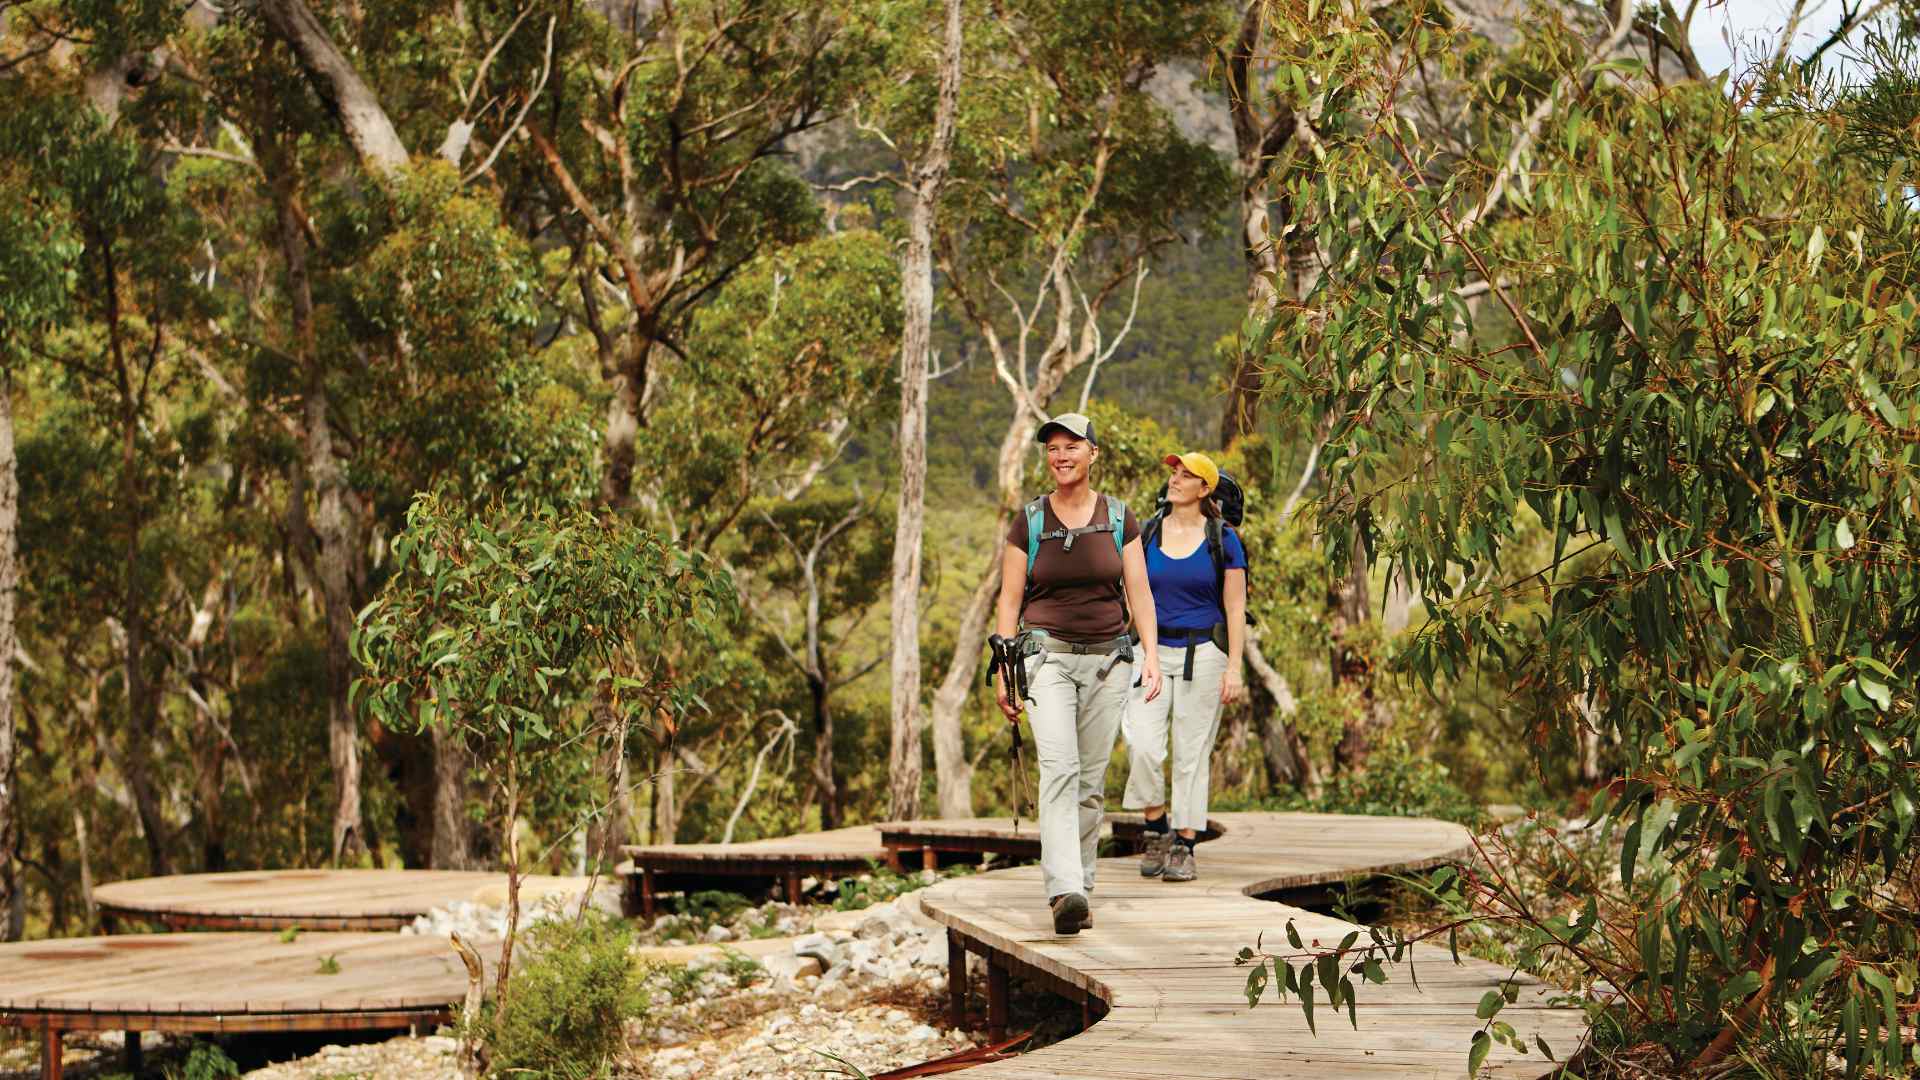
{"x":1352,"y":665}
{"x":13,"y":909}
{"x":1256,"y":140}
{"x":209,"y":785}
{"x":1263,"y":271}
{"x":823,"y":774}
{"x":1284,"y":750}
{"x":624,"y":420}
{"x":332,"y":530}
{"x":334,"y":78}
{"x":666,"y":808}
{"x":952,"y":772}
{"x":451,"y":849}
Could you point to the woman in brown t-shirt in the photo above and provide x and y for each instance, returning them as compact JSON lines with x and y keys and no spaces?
{"x":1072,"y":608}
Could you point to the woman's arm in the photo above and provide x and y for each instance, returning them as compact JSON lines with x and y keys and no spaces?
{"x":1006,"y":618}
{"x":1233,"y":687}
{"x":1133,"y":567}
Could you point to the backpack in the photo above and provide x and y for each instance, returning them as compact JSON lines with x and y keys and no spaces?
{"x":1036,"y":512}
{"x":1232,"y":500}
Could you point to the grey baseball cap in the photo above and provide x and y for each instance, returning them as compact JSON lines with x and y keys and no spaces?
{"x":1072,"y":423}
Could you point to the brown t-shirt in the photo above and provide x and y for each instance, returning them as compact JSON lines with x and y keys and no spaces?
{"x":1077,"y":595}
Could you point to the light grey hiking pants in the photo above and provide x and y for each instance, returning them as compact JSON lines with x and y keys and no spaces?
{"x":1074,"y":715}
{"x":1192,"y":710}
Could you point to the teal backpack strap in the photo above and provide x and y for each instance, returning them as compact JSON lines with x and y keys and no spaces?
{"x":1036,"y":521}
{"x":1117,"y":517}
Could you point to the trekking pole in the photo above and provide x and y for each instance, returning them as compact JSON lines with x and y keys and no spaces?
{"x":1013,"y":674}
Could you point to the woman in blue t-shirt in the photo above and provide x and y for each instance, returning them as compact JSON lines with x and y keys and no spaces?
{"x":1202,"y":617}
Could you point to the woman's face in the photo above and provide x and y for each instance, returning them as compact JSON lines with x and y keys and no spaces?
{"x":1069,"y":459}
{"x":1183,"y":487}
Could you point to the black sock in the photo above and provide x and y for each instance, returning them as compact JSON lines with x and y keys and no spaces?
{"x":1158,"y":824}
{"x":1184,"y":841}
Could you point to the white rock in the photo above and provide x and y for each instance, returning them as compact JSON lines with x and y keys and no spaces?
{"x":922,"y":1033}
{"x":820,"y":947}
{"x":717,"y":933}
{"x":789,"y":966}
{"x":933,"y":954}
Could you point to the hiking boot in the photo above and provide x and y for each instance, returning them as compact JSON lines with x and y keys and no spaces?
{"x":1153,"y":853}
{"x":1179,"y":864}
{"x":1070,"y":913}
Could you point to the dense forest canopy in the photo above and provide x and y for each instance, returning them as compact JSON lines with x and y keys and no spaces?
{"x":435,"y":433}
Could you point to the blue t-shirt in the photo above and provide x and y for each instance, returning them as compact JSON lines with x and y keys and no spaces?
{"x":1184,"y":594}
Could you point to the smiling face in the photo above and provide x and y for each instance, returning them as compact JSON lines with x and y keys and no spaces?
{"x":1069,"y":458}
{"x":1183,"y":487}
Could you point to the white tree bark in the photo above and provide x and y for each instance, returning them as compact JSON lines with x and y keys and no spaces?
{"x":12,"y":898}
{"x":337,"y":82}
{"x":953,"y":772}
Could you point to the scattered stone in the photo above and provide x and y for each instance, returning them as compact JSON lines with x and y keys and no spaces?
{"x":820,"y":947}
{"x":791,"y":966}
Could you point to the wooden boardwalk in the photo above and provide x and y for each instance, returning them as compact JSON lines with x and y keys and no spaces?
{"x":1157,"y":966}
{"x":221,"y":983}
{"x":311,"y":899}
{"x":780,"y":861}
{"x":922,"y":842}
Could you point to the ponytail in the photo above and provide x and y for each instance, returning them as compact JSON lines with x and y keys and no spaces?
{"x":1208,"y":508}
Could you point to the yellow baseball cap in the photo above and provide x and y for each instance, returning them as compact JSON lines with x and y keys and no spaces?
{"x":1199,"y":465}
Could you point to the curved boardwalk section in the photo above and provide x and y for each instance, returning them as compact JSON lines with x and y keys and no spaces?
{"x":218,"y":983}
{"x":1158,"y":963}
{"x":312,"y":899}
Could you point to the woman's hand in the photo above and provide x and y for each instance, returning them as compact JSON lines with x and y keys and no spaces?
{"x":1232,"y":689}
{"x":1150,"y":675}
{"x":1011,"y":709}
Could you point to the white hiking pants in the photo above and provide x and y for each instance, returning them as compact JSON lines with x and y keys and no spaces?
{"x":1192,"y":710}
{"x":1074,"y":716}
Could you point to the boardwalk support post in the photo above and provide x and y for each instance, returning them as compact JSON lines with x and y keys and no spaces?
{"x":996,"y":999}
{"x":134,"y":1062}
{"x":50,"y":1061}
{"x":956,"y":980}
{"x":646,"y":894}
{"x":929,"y":859}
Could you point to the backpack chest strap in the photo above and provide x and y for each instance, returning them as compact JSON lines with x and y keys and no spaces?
{"x":1068,"y":536}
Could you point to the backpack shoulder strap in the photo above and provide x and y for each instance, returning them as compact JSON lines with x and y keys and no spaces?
{"x":1036,"y":512}
{"x":1117,"y":517}
{"x":1217,"y":545}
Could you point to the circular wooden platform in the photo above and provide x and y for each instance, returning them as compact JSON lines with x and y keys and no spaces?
{"x":227,"y":983}
{"x":312,"y":899}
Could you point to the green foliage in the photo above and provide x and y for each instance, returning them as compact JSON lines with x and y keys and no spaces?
{"x":572,"y":999}
{"x":1395,"y":783}
{"x":1695,"y":369}
{"x":205,"y":1061}
{"x":881,"y":884}
{"x":493,"y":627}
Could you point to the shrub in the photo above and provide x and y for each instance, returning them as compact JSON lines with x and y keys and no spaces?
{"x":570,"y":1001}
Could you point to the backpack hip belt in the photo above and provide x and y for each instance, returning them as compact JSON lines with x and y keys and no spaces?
{"x":1191,"y":639}
{"x":1114,"y":649}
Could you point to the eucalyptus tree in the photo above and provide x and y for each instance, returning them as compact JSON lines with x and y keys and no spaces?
{"x":1067,"y":177}
{"x":37,"y":249}
{"x":783,"y":364}
{"x":1695,"y":372}
{"x":502,"y":624}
